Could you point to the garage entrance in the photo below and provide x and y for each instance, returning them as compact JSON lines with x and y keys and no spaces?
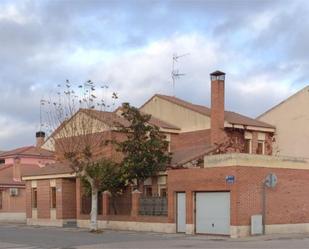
{"x":212,"y":213}
{"x":181,"y":212}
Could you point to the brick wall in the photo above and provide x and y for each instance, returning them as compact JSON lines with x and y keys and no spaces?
{"x":190,"y":180}
{"x":13,"y":204}
{"x":65,"y":199}
{"x":43,"y":194}
{"x":287,"y":203}
{"x":68,"y":199}
{"x":59,"y":205}
{"x":189,"y":139}
{"x":97,"y":141}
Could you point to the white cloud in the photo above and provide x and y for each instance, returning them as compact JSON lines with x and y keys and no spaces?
{"x":137,"y":74}
{"x":14,"y":131}
{"x":13,"y":13}
{"x":44,"y":43}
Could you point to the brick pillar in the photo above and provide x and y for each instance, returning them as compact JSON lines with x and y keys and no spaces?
{"x":254,"y":142}
{"x":78,"y":198}
{"x":217,"y":134}
{"x":135,"y":203}
{"x":105,"y":204}
{"x":59,"y":199}
{"x":189,"y":212}
{"x":16,"y":170}
{"x":171,"y":207}
{"x":28,"y":199}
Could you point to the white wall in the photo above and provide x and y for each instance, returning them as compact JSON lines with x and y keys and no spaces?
{"x":177,"y":115}
{"x":291,"y":119}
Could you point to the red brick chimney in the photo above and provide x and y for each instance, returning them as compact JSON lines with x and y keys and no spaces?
{"x":40,"y":138}
{"x":217,"y":133}
{"x":16,"y":170}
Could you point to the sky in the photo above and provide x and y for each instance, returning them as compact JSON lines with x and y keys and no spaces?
{"x":262,"y":46}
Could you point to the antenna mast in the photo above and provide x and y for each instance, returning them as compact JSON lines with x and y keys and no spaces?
{"x":175,"y":72}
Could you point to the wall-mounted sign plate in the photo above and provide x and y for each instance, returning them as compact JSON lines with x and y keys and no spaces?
{"x":230,"y":179}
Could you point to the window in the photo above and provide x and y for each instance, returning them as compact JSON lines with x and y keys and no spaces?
{"x":34,"y":198}
{"x":248,"y":147}
{"x":260,"y":147}
{"x":53,"y":200}
{"x":163,"y":192}
{"x":2,"y":161}
{"x":148,"y":190}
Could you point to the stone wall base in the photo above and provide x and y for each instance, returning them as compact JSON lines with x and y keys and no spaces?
{"x":235,"y":231}
{"x":13,"y":217}
{"x":47,"y":222}
{"x":287,"y":228}
{"x":132,"y":226}
{"x":189,"y":228}
{"x":245,"y":231}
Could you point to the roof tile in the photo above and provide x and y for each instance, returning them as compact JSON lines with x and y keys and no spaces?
{"x":231,"y":117}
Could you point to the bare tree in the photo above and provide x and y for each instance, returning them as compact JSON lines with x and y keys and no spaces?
{"x":77,"y":135}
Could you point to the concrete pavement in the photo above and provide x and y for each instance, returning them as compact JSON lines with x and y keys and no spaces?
{"x":25,"y":237}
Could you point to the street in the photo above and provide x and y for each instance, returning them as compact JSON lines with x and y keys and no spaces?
{"x":26,"y":237}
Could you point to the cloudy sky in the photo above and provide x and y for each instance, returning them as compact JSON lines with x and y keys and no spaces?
{"x":263,"y":46}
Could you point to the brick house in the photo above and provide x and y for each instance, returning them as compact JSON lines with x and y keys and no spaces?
{"x":229,"y":191}
{"x":44,"y":204}
{"x":221,"y":161}
{"x":14,"y":164}
{"x":212,"y":130}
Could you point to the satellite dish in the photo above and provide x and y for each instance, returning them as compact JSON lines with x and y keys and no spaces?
{"x":271,"y":180}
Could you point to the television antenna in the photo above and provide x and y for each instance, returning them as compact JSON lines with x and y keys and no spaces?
{"x":175,"y":72}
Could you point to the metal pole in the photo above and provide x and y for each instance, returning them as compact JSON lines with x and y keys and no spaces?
{"x":264,"y":206}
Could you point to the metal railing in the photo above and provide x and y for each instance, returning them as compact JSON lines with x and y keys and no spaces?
{"x":153,"y":206}
{"x":86,"y":204}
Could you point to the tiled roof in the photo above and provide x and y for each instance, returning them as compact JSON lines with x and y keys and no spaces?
{"x":6,"y":173}
{"x":111,"y":118}
{"x":189,"y":146}
{"x":188,"y":154}
{"x":231,"y":117}
{"x":50,"y":169}
{"x":28,"y":151}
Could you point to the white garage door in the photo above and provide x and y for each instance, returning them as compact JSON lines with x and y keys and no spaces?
{"x":181,"y":212}
{"x":212,"y":213}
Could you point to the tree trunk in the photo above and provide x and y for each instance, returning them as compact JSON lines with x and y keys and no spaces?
{"x":94,"y":208}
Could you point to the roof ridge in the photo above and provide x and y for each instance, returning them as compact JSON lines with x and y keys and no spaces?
{"x":6,"y":166}
{"x":284,"y":101}
{"x":204,"y":110}
{"x":17,"y":150}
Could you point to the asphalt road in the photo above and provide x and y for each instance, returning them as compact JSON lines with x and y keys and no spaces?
{"x":25,"y":237}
